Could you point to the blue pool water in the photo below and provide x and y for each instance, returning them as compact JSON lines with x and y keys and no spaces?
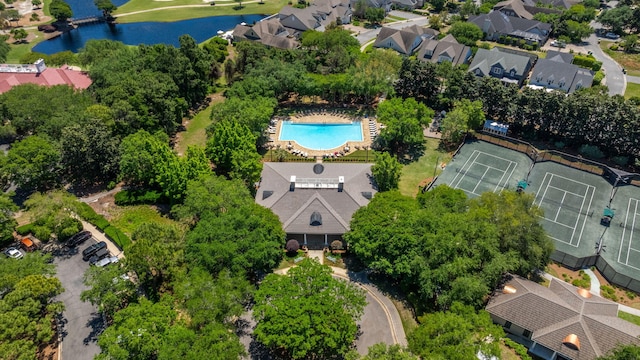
{"x":321,"y":136}
{"x":143,"y":32}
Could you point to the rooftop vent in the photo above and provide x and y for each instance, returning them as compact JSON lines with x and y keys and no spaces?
{"x":316,"y":219}
{"x":572,"y":342}
{"x":266,"y":194}
{"x":318,"y":168}
{"x":509,"y":290}
{"x":584,"y":293}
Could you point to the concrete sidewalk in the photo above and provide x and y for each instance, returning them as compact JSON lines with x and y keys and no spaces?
{"x":100,"y":236}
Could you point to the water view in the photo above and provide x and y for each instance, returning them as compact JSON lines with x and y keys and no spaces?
{"x":148,"y":33}
{"x":321,"y":136}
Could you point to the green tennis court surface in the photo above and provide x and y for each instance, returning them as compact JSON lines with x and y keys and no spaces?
{"x":573,"y":202}
{"x":480,"y":167}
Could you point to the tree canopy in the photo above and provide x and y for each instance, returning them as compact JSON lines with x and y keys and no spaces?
{"x":443,"y":248}
{"x":403,"y":120}
{"x":386,"y":172}
{"x":307,"y":312}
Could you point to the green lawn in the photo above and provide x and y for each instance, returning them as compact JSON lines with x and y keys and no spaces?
{"x":631,"y":62}
{"x":202,"y":9}
{"x":632,"y":90}
{"x":18,"y":51}
{"x":128,"y":218}
{"x":416,"y":172}
{"x":634,"y":319}
{"x":196,"y":133}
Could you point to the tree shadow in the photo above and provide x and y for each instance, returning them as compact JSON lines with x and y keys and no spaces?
{"x":97,"y":325}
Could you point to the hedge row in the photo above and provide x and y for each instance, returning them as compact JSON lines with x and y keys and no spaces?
{"x":520,"y":349}
{"x":88,"y":214}
{"x":587,"y":61}
{"x":25,"y":229}
{"x":137,"y":197}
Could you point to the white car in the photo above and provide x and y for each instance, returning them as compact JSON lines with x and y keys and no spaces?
{"x":106,"y":261}
{"x":13,"y":253}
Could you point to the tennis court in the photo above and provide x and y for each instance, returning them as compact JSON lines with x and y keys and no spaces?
{"x":623,"y":238}
{"x":480,"y":167}
{"x":572,"y":201}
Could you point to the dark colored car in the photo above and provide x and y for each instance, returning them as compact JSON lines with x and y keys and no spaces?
{"x":99,"y":255}
{"x":91,"y":250}
{"x":78,"y":238}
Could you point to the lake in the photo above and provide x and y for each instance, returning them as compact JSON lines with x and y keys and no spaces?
{"x":148,"y":33}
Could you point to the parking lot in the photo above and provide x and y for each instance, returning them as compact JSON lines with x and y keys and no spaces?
{"x":81,"y":321}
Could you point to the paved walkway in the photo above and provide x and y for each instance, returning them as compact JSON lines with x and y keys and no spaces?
{"x":595,"y":283}
{"x":633,"y":79}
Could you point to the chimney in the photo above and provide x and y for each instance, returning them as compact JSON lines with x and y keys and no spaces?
{"x":292,"y":185}
{"x":40,"y":66}
{"x":340,"y":183}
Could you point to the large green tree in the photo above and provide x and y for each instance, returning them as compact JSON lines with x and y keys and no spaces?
{"x":60,"y":10}
{"x":110,"y":289}
{"x":466,"y":33}
{"x":34,"y":163}
{"x":623,"y":352}
{"x":231,"y":147}
{"x":386,"y":172}
{"x":460,"y":333}
{"x":307,"y":313}
{"x":7,"y":220}
{"x":403,"y":133}
{"x":52,"y":215}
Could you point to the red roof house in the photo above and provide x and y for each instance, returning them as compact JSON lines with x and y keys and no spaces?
{"x":38,"y":73}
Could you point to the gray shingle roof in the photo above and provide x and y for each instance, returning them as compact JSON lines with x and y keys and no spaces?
{"x":404,"y":38}
{"x":559,"y":75}
{"x":431,"y":50}
{"x":294,"y":208}
{"x":555,"y":312}
{"x":485,"y":59}
{"x":510,"y":25}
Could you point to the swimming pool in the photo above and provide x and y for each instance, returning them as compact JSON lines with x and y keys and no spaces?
{"x":321,"y":136}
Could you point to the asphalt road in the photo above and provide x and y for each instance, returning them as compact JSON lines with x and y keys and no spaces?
{"x":81,"y":321}
{"x":614,"y":78}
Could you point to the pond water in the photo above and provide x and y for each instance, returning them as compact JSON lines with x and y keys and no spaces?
{"x":321,"y":136}
{"x":144,"y":32}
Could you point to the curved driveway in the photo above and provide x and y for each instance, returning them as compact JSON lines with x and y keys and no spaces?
{"x":614,"y":78}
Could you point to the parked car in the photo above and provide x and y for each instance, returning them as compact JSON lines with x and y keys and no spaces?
{"x":106,"y":261}
{"x":98,"y":255}
{"x":27,"y":245}
{"x":611,"y":35}
{"x":558,"y":43}
{"x":91,"y":250}
{"x":78,"y":238}
{"x":13,"y":253}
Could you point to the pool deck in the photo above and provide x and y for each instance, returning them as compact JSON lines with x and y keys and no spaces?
{"x":370,"y":128}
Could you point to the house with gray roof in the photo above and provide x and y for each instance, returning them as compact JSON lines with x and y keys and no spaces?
{"x":315,"y":202}
{"x":283,"y":29}
{"x":556,"y":72}
{"x":496,"y":24}
{"x":560,"y":322}
{"x":445,"y":49}
{"x":405,"y":40}
{"x":507,"y":65}
{"x":269,"y":32}
{"x":522,"y":9}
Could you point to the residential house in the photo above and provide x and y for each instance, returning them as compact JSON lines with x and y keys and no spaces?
{"x":405,"y":41}
{"x":560,"y":322}
{"x":408,"y":4}
{"x":496,"y":24}
{"x":510,"y":66}
{"x":315,"y":202}
{"x":445,"y":49}
{"x":284,"y":29}
{"x":522,"y":9}
{"x":383,"y":4}
{"x":269,"y":32}
{"x":556,"y":72}
{"x":38,"y":73}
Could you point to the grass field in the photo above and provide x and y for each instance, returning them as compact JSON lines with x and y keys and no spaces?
{"x":632,"y":90}
{"x":224,"y":7}
{"x":418,"y":171}
{"x":196,"y":133}
{"x":631,"y":62}
{"x":128,"y":218}
{"x":634,"y":319}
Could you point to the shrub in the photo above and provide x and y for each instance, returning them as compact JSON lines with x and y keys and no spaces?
{"x":630,"y":294}
{"x":587,"y":61}
{"x":614,"y":47}
{"x":591,"y":151}
{"x":620,"y":160}
{"x":101,"y":223}
{"x":117,"y":237}
{"x":598,"y":77}
{"x":608,"y":292}
{"x":25,"y":229}
{"x":43,"y":233}
{"x":137,"y":197}
{"x":559,"y":144}
{"x":86,"y":212}
{"x":520,"y":349}
{"x":336,"y":245}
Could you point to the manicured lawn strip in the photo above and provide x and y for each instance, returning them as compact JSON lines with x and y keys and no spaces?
{"x":19,"y":50}
{"x":632,"y":90}
{"x":416,"y":172}
{"x":634,"y":319}
{"x":631,"y":62}
{"x":167,"y":15}
{"x":128,"y":218}
{"x":394,"y":18}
